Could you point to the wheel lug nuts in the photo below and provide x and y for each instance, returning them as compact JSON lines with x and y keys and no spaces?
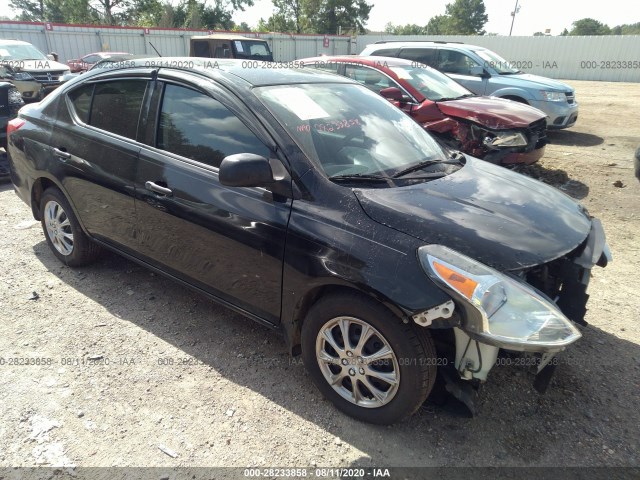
{"x":352,"y":371}
{"x":349,"y":354}
{"x":361,"y":371}
{"x":345,"y":361}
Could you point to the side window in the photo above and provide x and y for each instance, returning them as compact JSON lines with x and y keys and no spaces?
{"x":450,"y":61}
{"x":196,"y":126}
{"x":370,"y":78}
{"x":426,"y":56}
{"x":324,"y":66}
{"x":201,"y":48}
{"x":81,"y":100}
{"x":223,"y":51}
{"x":90,"y":59}
{"x":386,"y":52}
{"x":116,"y":106}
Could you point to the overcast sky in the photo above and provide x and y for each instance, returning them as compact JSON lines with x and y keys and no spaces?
{"x":534,"y":15}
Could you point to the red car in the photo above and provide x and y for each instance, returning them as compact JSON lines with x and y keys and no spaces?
{"x":494,"y":129}
{"x":85,"y":63}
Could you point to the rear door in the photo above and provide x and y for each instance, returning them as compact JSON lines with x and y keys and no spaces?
{"x":94,"y":143}
{"x":226,"y":241}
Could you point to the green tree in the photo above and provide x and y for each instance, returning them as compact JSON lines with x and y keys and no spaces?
{"x":439,"y":25}
{"x":29,"y":10}
{"x":328,"y":16}
{"x":291,"y":13}
{"x":409,"y":29}
{"x":589,"y":26}
{"x":466,"y":17}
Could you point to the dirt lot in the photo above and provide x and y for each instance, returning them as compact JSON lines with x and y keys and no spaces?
{"x":178,"y":372}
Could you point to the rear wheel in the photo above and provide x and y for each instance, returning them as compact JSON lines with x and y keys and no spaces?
{"x":365,"y":360}
{"x":63,"y":232}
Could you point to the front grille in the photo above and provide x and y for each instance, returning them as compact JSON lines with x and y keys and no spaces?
{"x":571,"y":98}
{"x":538,"y":133}
{"x":47,"y":77}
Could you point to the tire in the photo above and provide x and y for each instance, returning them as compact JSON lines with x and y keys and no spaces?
{"x":62,"y":230}
{"x":409,"y":371}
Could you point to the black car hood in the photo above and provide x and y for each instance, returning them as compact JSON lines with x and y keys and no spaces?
{"x":501,"y":218}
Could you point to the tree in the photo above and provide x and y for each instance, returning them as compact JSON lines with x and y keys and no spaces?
{"x":329,"y":16}
{"x":466,"y":17}
{"x":438,"y":25}
{"x":291,"y":12}
{"x":589,"y":26}
{"x":409,"y":29}
{"x":29,"y":10}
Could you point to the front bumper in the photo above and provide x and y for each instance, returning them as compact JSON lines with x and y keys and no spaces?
{"x":564,"y":280}
{"x":561,"y":114}
{"x":34,"y":90}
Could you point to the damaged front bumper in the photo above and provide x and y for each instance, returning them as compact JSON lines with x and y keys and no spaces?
{"x":561,"y":284}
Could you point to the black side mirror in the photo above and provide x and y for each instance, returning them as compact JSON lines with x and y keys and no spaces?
{"x":245,"y":170}
{"x":392,"y":93}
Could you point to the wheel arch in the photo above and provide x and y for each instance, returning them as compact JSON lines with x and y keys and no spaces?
{"x":292,"y":327}
{"x":40,"y":185}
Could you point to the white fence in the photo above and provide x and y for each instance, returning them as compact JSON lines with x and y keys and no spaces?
{"x":609,"y":58}
{"x":73,"y":41}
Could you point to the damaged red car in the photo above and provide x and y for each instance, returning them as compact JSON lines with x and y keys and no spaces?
{"x":494,"y":129}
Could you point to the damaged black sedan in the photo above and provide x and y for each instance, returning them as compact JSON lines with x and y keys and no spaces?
{"x":313,"y":206}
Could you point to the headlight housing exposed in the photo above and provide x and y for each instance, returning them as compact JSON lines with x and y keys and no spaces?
{"x":14,"y":97}
{"x":553,"y":96}
{"x":506,"y":139}
{"x":510,"y":314}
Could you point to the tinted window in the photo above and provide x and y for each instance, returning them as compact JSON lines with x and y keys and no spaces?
{"x":426,"y":56}
{"x":81,"y":99}
{"x":370,"y":78}
{"x":450,"y":61}
{"x":386,"y":52}
{"x":201,"y":49}
{"x":196,"y":126}
{"x":116,"y":106}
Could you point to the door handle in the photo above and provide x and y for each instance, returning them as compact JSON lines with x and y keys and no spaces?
{"x":61,"y":153}
{"x":158,"y":189}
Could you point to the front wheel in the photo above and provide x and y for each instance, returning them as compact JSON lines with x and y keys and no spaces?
{"x":365,"y":360}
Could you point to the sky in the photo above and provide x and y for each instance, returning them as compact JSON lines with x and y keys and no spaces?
{"x":534,"y":15}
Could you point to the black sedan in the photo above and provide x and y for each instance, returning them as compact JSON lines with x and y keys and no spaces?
{"x":313,"y":206}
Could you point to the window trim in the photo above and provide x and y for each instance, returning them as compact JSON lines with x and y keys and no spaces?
{"x":74,"y":116}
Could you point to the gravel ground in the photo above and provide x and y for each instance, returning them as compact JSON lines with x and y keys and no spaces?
{"x":135,"y":370}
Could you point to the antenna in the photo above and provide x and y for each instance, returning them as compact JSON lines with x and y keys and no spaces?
{"x":156,"y":50}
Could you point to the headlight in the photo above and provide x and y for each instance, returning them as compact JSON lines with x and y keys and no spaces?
{"x":506,"y":139}
{"x":14,"y":97}
{"x":510,"y":314}
{"x":553,"y":96}
{"x":22,"y":76}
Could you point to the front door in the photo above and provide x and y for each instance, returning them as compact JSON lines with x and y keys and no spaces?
{"x":227,"y":241}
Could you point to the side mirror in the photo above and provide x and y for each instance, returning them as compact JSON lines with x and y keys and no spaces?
{"x":51,"y":57}
{"x":476,"y":71}
{"x":392,"y":93}
{"x":245,"y":170}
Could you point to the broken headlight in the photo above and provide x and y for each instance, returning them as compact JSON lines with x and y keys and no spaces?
{"x":14,"y":97}
{"x":507,"y":313}
{"x":505,"y":139}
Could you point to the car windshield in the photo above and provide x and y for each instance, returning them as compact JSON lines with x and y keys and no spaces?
{"x":495,"y":61}
{"x":252,"y":49}
{"x":20,"y":52}
{"x":429,"y":82}
{"x":349,"y":130}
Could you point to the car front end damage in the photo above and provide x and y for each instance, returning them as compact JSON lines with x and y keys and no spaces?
{"x":498,"y":146}
{"x":530,"y":312}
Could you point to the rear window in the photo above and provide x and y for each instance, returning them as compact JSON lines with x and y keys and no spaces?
{"x":116,"y":106}
{"x":81,"y":100}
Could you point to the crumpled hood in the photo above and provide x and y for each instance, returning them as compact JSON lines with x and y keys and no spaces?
{"x":498,"y":217}
{"x":543,"y":82}
{"x":492,"y":112}
{"x":41,"y":66}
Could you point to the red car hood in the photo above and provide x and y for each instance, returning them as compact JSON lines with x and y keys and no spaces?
{"x":492,"y":112}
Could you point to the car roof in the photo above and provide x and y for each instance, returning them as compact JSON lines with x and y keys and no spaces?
{"x":253,"y":73}
{"x":375,"y":62}
{"x":13,"y":42}
{"x":224,"y":36}
{"x":418,"y":43}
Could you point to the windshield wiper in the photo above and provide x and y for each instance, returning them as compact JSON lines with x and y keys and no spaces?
{"x":359,"y":177}
{"x":466,"y":95}
{"x":413,"y":168}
